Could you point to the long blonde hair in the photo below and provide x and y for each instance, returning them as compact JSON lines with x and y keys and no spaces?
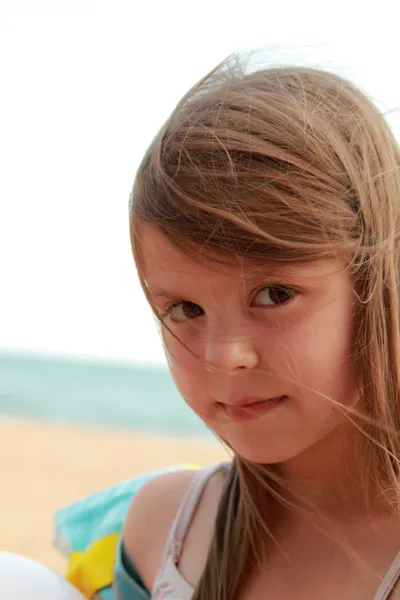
{"x":286,"y":163}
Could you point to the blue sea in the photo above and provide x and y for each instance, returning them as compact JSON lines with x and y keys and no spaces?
{"x":93,"y":392}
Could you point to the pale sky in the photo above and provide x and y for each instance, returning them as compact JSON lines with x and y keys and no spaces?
{"x":85,"y":84}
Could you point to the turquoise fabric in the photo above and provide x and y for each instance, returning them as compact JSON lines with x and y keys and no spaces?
{"x":77,"y":526}
{"x":107,"y":594}
{"x":127,"y":582}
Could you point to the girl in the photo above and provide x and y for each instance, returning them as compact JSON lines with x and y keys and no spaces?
{"x":265,"y":227}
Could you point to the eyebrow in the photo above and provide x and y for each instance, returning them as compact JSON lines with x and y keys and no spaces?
{"x":158,"y":292}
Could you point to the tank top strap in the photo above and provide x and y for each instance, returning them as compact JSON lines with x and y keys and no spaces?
{"x":389,"y":581}
{"x":187,"y":509}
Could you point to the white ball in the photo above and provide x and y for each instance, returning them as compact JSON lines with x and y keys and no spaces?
{"x":22,"y":578}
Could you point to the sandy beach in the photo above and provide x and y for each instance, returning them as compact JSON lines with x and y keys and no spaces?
{"x":45,"y":466}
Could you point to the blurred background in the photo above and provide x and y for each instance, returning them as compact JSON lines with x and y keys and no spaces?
{"x":85,"y":396}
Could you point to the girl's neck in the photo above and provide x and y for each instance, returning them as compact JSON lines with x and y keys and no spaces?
{"x":333,"y":476}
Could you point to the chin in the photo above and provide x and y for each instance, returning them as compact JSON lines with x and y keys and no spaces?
{"x":259,"y":451}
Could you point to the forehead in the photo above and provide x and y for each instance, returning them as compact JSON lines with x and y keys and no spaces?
{"x":160,"y":259}
{"x":158,"y":255}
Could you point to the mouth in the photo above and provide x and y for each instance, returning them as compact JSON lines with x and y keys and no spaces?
{"x":250,"y":408}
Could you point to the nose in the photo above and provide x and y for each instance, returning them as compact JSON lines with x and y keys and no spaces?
{"x":234,"y":356}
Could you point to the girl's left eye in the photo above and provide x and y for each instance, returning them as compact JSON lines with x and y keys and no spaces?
{"x":273,"y":295}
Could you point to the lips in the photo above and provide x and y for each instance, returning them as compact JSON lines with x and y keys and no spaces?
{"x":250,"y":407}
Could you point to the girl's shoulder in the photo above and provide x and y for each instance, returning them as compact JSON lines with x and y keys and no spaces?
{"x":175,"y":508}
{"x":149,"y":520}
{"x":88,"y":532}
{"x":139,"y":513}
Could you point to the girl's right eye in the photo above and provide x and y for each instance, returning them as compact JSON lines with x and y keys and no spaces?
{"x":184,"y":311}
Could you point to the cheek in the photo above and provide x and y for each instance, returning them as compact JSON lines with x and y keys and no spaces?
{"x":186,"y":367}
{"x":181,"y":351}
{"x":316,"y":352}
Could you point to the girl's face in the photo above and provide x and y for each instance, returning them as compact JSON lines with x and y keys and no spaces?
{"x":256,"y":352}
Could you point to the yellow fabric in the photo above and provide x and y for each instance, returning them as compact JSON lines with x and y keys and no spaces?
{"x":92,"y":570}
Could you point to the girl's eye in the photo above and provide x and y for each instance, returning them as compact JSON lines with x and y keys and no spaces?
{"x":273,"y":296}
{"x":184,"y":311}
